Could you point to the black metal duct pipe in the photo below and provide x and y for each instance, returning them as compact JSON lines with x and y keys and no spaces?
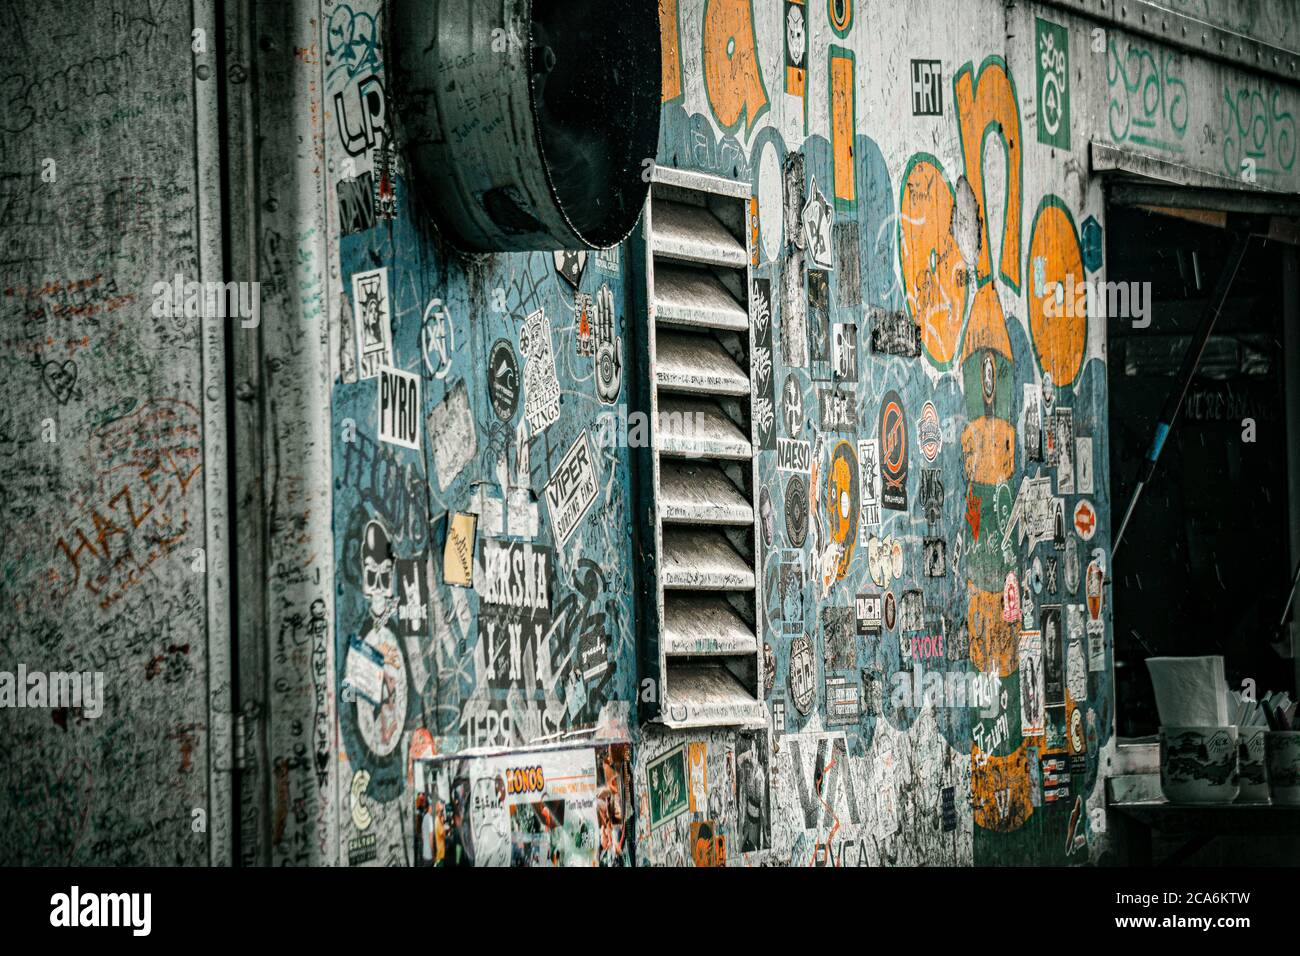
{"x":528,"y":124}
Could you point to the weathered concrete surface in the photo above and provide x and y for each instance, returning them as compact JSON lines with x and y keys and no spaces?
{"x":103,"y":469}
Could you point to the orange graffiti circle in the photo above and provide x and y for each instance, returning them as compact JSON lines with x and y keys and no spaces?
{"x":934,"y":274}
{"x":1055,"y":259}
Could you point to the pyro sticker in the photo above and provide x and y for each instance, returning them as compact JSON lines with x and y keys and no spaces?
{"x":399,"y":408}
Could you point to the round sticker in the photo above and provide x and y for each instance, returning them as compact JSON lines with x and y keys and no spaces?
{"x":989,"y":382}
{"x":890,"y":610}
{"x":842,"y":503}
{"x":796,"y":511}
{"x":1085,"y":519}
{"x":803,"y":677}
{"x":503,"y":380}
{"x":928,"y":436}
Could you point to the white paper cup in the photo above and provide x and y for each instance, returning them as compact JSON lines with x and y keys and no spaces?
{"x":1199,"y":764}
{"x":1251,"y":765}
{"x":1282,"y":760}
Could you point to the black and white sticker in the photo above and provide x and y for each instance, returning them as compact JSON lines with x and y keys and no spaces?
{"x":399,"y":407}
{"x":572,"y":489}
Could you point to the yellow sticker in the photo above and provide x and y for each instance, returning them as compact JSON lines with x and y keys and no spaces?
{"x":458,"y":555}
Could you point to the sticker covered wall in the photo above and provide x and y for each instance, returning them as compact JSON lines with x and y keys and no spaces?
{"x":908,"y":519}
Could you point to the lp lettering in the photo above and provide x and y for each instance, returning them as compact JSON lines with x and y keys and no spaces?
{"x":399,"y":408}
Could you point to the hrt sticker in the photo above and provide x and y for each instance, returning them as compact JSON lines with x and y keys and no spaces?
{"x":927,"y":88}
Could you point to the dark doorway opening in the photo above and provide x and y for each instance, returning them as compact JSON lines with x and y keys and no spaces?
{"x":1206,"y":561}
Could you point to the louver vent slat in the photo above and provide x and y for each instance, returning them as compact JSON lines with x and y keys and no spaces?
{"x":697,"y":625}
{"x":703,"y":559}
{"x":699,"y":493}
{"x":694,"y":234}
{"x":696,"y":298}
{"x":697,"y":364}
{"x":699,"y":428}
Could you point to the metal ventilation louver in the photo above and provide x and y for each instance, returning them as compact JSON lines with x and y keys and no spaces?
{"x":699,"y":475}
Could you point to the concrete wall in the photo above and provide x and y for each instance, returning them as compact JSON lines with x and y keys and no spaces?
{"x":954,"y":211}
{"x":111,"y":448}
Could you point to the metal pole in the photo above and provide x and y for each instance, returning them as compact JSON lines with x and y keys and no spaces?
{"x":1191,"y":360}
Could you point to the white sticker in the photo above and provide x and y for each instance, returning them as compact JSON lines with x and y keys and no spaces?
{"x":399,"y":408}
{"x":541,"y":387}
{"x":452,"y":436}
{"x":571,"y":489}
{"x":373,"y":316}
{"x":1083,"y":465}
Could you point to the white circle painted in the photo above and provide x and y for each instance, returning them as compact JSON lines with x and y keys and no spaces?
{"x":771,"y":202}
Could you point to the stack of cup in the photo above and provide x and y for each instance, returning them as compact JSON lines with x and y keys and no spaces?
{"x":1198,"y":747}
{"x":1282,"y":748}
{"x":1282,"y":756}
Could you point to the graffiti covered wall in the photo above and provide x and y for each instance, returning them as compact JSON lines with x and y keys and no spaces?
{"x":434,"y":446}
{"x":484,"y":600}
{"x":937,"y":643}
{"x":938,"y":691}
{"x":481,"y":517}
{"x":108,"y":576}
